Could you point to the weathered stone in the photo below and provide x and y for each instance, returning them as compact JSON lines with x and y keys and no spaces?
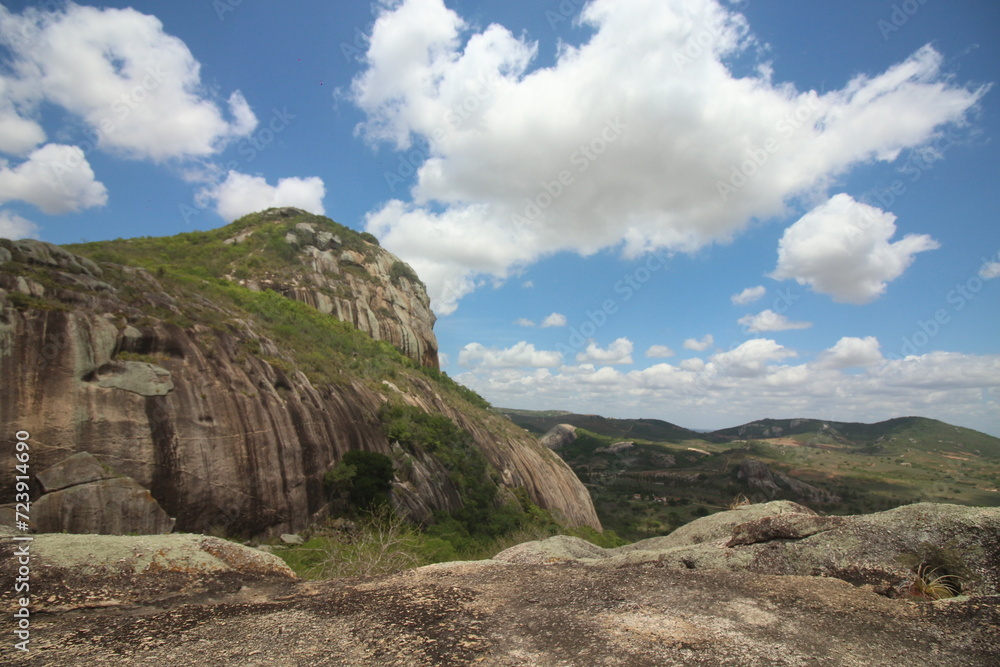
{"x":883,"y":550}
{"x":80,"y":468}
{"x":107,"y":507}
{"x":137,"y":377}
{"x":5,"y":255}
{"x":296,"y":540}
{"x":227,"y":439}
{"x":760,"y":477}
{"x":559,"y":435}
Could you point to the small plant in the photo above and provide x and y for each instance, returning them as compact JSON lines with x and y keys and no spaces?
{"x":929,"y":584}
{"x":740,"y":501}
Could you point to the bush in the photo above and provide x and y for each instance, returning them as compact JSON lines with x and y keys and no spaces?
{"x":363,"y":479}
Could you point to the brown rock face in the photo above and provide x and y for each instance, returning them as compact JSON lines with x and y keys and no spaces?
{"x":222,"y":433}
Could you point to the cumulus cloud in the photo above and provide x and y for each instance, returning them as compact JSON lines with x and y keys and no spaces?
{"x":842,"y":248}
{"x":768,"y":320}
{"x":699,"y":345}
{"x":619,"y":352}
{"x":524,"y":322}
{"x":55,"y":178}
{"x":626,"y":140}
{"x":13,"y":226}
{"x":752,"y":358}
{"x":848,"y":382}
{"x":749,"y":295}
{"x":659,"y":352}
{"x":136,"y":88}
{"x":554,"y":320}
{"x":523,"y":354}
{"x":241,"y":194}
{"x":990,"y":270}
{"x":850,"y":352}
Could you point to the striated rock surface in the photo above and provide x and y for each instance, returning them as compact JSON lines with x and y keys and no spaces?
{"x":371,"y":289}
{"x":191,"y":398}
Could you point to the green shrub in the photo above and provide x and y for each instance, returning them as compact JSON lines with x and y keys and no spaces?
{"x":364,"y":479}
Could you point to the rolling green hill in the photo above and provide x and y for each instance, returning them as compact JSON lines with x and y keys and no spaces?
{"x":667,"y":475}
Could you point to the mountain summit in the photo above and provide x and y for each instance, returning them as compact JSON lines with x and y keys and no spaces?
{"x":227,"y":372}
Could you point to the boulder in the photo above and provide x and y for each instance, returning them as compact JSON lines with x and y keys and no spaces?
{"x":115,"y":506}
{"x":80,"y":468}
{"x":885,"y":550}
{"x":558,"y":436}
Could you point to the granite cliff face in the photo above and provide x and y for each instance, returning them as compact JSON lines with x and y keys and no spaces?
{"x":229,"y":403}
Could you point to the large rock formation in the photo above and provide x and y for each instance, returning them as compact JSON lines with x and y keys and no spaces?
{"x":768,"y":483}
{"x":371,"y":289}
{"x":190,"y":398}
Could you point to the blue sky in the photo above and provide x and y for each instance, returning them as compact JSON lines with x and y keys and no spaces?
{"x":699,"y":211}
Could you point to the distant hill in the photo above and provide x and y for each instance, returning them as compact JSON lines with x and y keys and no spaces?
{"x":891,"y":436}
{"x":539,"y":422}
{"x":669,"y":475}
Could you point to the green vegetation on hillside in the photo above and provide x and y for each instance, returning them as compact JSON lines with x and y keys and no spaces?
{"x":660,"y":482}
{"x":200,"y":274}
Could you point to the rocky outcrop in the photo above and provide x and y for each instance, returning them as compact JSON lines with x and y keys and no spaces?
{"x":372,"y":290}
{"x":759,"y":477}
{"x":212,"y":418}
{"x":489,"y":613}
{"x":559,"y":435}
{"x":84,"y":496}
{"x":70,"y":571}
{"x":885,"y":551}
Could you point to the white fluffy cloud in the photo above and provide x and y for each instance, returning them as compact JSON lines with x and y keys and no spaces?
{"x":842,"y":248}
{"x":240,"y":194}
{"x":852,"y":352}
{"x":625,"y":138}
{"x":521,"y":355}
{"x":848,"y":382}
{"x":659,"y":352}
{"x":749,"y":295}
{"x":699,"y":345}
{"x":768,"y":320}
{"x":619,"y":352}
{"x":135,"y":87}
{"x":554,"y":320}
{"x":752,"y":358}
{"x":990,"y":270}
{"x":13,"y":226}
{"x":55,"y":178}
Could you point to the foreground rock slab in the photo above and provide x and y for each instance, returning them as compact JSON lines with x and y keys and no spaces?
{"x":493,"y":613}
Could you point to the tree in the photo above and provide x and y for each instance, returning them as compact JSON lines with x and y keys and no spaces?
{"x":363,"y":479}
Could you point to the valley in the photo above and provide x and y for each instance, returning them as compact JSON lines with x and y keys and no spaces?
{"x":670,"y":475}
